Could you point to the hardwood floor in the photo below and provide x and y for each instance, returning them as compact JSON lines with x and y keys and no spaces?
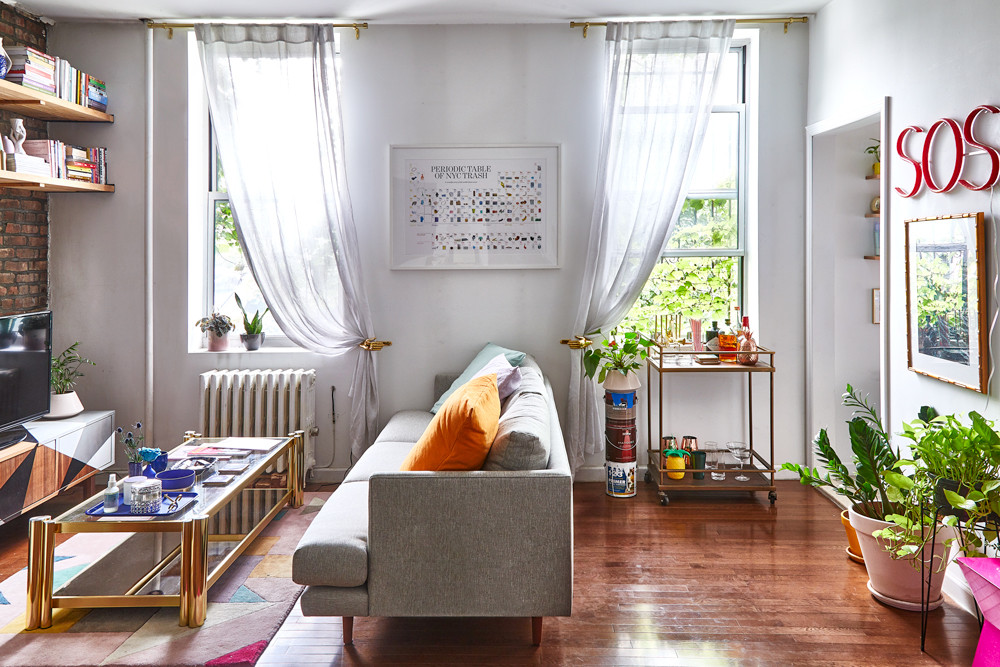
{"x":707,"y":580}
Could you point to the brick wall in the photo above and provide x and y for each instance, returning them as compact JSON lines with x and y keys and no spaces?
{"x":24,"y":215}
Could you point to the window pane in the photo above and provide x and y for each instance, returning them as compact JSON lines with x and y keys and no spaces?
{"x":728,"y":88}
{"x":220,"y":175}
{"x":700,"y":287}
{"x":706,"y":223}
{"x":233,"y":275}
{"x":719,"y":156}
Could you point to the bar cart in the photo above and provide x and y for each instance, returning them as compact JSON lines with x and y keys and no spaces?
{"x":664,"y":359}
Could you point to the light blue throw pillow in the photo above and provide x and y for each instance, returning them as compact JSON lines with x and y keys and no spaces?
{"x":488,"y":352}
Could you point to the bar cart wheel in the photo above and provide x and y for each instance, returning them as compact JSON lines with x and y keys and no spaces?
{"x":772,"y":496}
{"x":664,"y":500}
{"x":648,"y":477}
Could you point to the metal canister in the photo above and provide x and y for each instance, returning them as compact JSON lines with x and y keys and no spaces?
{"x":667,"y":443}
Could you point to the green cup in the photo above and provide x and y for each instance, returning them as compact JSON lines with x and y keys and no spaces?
{"x":698,"y":462}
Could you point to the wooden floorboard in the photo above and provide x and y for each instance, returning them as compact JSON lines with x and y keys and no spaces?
{"x":705,"y":581}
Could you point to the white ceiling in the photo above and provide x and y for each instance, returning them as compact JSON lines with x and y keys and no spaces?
{"x":409,"y":11}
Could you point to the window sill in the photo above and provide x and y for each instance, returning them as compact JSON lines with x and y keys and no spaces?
{"x":241,"y":350}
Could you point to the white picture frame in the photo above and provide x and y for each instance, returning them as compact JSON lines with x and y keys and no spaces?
{"x":474,"y":207}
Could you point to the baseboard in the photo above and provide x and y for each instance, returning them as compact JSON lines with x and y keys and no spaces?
{"x":326,"y":475}
{"x":592,"y":474}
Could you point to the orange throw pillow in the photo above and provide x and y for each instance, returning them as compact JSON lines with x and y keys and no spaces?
{"x":462,"y":432}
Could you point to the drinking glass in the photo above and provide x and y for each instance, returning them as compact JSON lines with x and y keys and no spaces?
{"x":742,"y":453}
{"x":714,"y":459}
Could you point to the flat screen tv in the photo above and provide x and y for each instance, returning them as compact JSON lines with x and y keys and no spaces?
{"x":25,"y":369}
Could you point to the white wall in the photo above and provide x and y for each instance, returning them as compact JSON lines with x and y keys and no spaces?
{"x":933,"y":60}
{"x":401,"y":85}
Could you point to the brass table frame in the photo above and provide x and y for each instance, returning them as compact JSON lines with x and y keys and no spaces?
{"x":195,"y":577}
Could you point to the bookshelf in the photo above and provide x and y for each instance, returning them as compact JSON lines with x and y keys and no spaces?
{"x":43,"y":106}
{"x":22,"y":100}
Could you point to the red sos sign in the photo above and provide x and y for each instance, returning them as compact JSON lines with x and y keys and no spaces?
{"x":962,"y":136}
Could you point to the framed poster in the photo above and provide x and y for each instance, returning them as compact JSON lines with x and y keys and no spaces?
{"x":946,"y":299}
{"x":474,"y":207}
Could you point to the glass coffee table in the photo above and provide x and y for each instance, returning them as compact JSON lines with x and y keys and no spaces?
{"x":171,"y":560}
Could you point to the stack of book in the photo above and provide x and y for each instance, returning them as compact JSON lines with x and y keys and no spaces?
{"x":32,"y":69}
{"x":51,"y":157}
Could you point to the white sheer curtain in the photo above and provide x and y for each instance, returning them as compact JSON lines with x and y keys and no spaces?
{"x":275,"y":103}
{"x":660,"y":81}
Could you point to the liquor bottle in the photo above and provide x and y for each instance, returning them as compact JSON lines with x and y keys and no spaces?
{"x":713,"y":332}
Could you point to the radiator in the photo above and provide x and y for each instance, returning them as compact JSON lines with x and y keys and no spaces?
{"x":260,"y":403}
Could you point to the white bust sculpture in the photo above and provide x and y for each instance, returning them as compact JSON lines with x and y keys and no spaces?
{"x":18,"y":134}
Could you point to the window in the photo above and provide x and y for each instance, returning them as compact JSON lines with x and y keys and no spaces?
{"x":229,"y":273}
{"x":701,"y":269}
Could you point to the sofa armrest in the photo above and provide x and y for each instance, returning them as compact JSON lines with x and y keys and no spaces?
{"x":470,"y":544}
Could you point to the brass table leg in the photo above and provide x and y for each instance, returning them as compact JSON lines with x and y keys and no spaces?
{"x":194,"y":571}
{"x":296,"y":469}
{"x":41,"y":547}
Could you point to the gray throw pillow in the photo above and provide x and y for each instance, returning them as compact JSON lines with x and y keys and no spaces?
{"x":523,"y":435}
{"x":488,"y":352}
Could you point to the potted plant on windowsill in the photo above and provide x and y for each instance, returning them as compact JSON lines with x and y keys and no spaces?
{"x":894,"y":578}
{"x":217,"y":327}
{"x":253,"y":328}
{"x":64,"y":401}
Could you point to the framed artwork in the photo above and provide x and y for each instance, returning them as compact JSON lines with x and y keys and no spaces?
{"x":474,"y":207}
{"x":946,"y":299}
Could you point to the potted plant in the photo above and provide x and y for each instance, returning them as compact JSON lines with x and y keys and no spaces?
{"x":64,"y":401}
{"x":217,"y":326}
{"x":892,"y":578}
{"x":955,"y":479}
{"x":875,"y":150}
{"x":132,"y":442}
{"x":254,"y":327}
{"x":614,"y":363}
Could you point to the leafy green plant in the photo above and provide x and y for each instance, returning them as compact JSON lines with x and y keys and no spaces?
{"x":623,"y":352}
{"x":217,"y":323}
{"x":955,"y":470}
{"x":66,"y":369}
{"x":873,"y":455}
{"x":875,"y":150}
{"x":254,"y":325}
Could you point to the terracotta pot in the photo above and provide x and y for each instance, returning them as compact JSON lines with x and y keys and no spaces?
{"x":896,"y":582}
{"x":217,"y":343}
{"x":853,"y":548}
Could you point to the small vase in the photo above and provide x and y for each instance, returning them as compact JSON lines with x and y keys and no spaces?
{"x":217,"y":343}
{"x":4,"y":61}
{"x":135,"y":468}
{"x":748,"y":352}
{"x":252,"y":341}
{"x":149,"y":472}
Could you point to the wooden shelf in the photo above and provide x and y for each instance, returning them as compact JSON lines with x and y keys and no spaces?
{"x":875,"y":257}
{"x":11,"y":179}
{"x":20,"y":99}
{"x":873,"y":215}
{"x":872,"y":177}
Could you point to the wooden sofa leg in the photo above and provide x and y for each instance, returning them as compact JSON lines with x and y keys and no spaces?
{"x":348,"y":630}
{"x":536,"y":630}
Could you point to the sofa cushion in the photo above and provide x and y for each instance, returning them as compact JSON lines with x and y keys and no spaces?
{"x":488,"y":352}
{"x":405,"y":426}
{"x":460,"y":434}
{"x":383,"y":456}
{"x":523,"y":437}
{"x":508,"y":377}
{"x":334,"y":549}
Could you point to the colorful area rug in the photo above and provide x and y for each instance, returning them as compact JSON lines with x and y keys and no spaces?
{"x":245,"y":608}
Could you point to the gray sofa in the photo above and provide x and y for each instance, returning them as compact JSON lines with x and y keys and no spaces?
{"x":491,"y":542}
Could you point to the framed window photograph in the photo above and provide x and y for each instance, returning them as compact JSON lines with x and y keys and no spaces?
{"x":946,"y":299}
{"x":474,"y":207}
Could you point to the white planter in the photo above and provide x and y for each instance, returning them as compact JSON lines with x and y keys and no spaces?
{"x":64,"y":405}
{"x":896,"y":582}
{"x":621,"y":383}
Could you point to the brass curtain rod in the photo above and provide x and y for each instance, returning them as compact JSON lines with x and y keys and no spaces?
{"x":169,"y":27}
{"x":787,"y":20}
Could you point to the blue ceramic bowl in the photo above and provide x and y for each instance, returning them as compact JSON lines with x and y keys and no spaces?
{"x":176,"y":480}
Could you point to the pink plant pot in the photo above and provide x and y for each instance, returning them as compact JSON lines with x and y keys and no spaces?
{"x":217,"y":343}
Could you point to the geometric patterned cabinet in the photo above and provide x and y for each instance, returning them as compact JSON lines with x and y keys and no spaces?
{"x":58,"y":454}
